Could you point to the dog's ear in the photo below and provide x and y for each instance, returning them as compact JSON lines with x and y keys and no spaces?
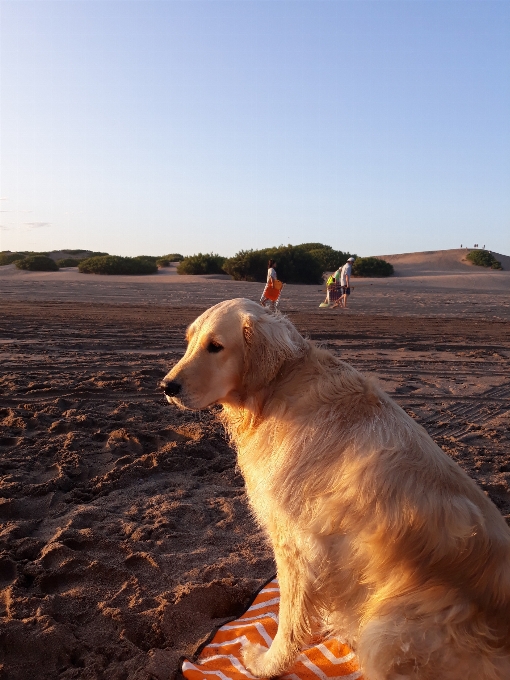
{"x":269,"y":341}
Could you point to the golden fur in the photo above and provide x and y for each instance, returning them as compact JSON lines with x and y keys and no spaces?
{"x":379,"y":537}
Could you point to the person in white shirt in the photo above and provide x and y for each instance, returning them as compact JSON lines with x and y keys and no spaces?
{"x":345,"y":282}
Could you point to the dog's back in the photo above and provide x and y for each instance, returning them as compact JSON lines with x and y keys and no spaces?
{"x":409,"y":556}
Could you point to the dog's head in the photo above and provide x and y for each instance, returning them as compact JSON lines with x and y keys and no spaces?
{"x":234,"y":349}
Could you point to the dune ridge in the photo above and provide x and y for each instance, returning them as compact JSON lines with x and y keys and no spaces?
{"x":436,"y":261}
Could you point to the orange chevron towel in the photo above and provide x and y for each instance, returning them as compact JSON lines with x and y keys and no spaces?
{"x":221,"y":659}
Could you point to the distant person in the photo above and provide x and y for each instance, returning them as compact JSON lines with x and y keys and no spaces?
{"x":329,"y":284}
{"x":271,"y":292}
{"x":332,"y":290}
{"x":345,"y":282}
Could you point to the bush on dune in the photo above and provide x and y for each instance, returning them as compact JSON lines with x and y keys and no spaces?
{"x":37,"y":263}
{"x":9,"y":258}
{"x":295,"y":265}
{"x":304,"y":263}
{"x":114,"y":264}
{"x":247,"y":265}
{"x":482,"y":258}
{"x":329,"y":258}
{"x":84,"y":254}
{"x":6,"y":257}
{"x":68,"y":262}
{"x":165,"y":260}
{"x":146,"y":258}
{"x":371,"y":266}
{"x":203,"y":263}
{"x":161,"y":260}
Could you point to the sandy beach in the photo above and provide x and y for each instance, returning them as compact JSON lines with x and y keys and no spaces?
{"x":125,"y":532}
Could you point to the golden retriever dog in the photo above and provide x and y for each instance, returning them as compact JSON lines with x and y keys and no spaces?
{"x":379,"y":537}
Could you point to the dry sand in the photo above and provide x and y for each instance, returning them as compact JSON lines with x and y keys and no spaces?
{"x":125,"y":532}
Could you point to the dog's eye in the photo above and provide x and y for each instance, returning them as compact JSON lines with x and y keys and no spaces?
{"x":214,"y":347}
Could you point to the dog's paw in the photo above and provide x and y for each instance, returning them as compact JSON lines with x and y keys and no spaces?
{"x":255,"y":660}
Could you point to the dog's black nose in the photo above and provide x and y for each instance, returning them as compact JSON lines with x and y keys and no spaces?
{"x":171,"y":389}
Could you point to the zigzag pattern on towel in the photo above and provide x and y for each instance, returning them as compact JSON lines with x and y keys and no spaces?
{"x":221,"y":659}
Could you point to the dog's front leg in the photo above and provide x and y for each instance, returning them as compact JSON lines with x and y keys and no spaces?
{"x":294,"y":621}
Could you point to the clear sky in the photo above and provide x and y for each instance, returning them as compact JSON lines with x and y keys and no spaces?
{"x":146,"y":127}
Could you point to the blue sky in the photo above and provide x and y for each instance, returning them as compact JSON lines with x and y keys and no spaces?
{"x":144,"y":127}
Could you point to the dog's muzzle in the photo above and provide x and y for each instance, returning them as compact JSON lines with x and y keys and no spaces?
{"x":172,"y":388}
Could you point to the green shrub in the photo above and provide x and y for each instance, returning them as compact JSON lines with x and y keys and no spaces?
{"x":82,"y":254}
{"x":68,"y":262}
{"x":371,"y":266}
{"x":314,"y":246}
{"x":114,"y":264}
{"x":330,"y":259}
{"x":203,"y":263}
{"x":37,"y":263}
{"x":294,"y":265}
{"x":247,"y":265}
{"x":9,"y":258}
{"x":146,"y":258}
{"x":86,"y":253}
{"x":173,"y":257}
{"x":161,"y":261}
{"x":166,"y":260}
{"x":482,"y":258}
{"x":304,"y":263}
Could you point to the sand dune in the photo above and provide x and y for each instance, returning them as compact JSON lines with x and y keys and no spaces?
{"x":439,"y":261}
